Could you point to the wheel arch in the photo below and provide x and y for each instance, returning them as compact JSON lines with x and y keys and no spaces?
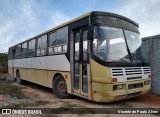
{"x":67,"y":80}
{"x":17,"y":70}
{"x":18,"y":77}
{"x":54,"y":77}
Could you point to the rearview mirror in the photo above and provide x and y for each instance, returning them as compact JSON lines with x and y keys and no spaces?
{"x":90,"y":32}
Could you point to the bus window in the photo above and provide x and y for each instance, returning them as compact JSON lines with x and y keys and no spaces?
{"x":52,"y":42}
{"x":24,"y":50}
{"x":10,"y":54}
{"x":62,"y":36}
{"x":58,"y":41}
{"x":42,"y":45}
{"x":31,"y":48}
{"x":76,"y":60}
{"x":84,"y":63}
{"x":18,"y":51}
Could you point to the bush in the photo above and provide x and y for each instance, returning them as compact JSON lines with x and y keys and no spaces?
{"x":3,"y":62}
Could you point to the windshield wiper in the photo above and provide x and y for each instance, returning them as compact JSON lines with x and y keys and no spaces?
{"x":138,"y":58}
{"x":129,"y":53}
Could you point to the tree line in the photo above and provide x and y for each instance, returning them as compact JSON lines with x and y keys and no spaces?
{"x":4,"y":59}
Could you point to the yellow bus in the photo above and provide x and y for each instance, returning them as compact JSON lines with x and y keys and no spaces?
{"x":95,"y":56}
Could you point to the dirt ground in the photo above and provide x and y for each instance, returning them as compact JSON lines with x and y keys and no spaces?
{"x":34,"y":91}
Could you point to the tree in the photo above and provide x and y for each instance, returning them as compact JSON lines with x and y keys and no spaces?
{"x":4,"y":59}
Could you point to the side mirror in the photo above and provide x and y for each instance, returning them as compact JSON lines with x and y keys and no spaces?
{"x":90,"y":32}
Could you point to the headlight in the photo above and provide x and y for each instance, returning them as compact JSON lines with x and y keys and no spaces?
{"x":117,"y":87}
{"x":146,"y":82}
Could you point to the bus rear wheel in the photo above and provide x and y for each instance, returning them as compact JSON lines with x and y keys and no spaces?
{"x":60,"y":88}
{"x":18,"y":78}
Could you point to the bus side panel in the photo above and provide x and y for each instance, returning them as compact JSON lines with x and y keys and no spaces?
{"x":23,"y":73}
{"x":41,"y":76}
{"x":10,"y":71}
{"x":31,"y":72}
{"x":41,"y":71}
{"x":16,"y":66}
{"x":59,"y":64}
{"x":22,"y":69}
{"x":31,"y":75}
{"x":14,"y":71}
{"x":101,"y":81}
{"x":100,"y":73}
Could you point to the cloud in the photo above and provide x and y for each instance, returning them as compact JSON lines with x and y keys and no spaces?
{"x":14,"y":22}
{"x":21,"y":20}
{"x":144,"y":12}
{"x":57,"y":18}
{"x":5,"y":35}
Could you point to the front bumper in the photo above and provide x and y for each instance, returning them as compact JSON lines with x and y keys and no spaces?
{"x":104,"y":92}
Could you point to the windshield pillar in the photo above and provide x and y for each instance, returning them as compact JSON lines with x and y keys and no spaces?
{"x":129,"y":53}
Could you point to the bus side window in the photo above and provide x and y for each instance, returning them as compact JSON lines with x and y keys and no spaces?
{"x":31,"y":48}
{"x":42,"y":45}
{"x":52,"y":43}
{"x":24,"y":50}
{"x":10,"y":54}
{"x":18,"y":52}
{"x":58,"y":41}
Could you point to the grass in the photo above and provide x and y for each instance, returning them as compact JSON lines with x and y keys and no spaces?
{"x":6,"y":87}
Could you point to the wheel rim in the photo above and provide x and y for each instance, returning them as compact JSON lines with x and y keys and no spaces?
{"x":62,"y":87}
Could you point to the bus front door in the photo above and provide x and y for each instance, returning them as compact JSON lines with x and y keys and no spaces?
{"x":80,"y":59}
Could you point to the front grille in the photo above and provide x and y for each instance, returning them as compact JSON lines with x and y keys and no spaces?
{"x":133,"y":94}
{"x":133,"y":71}
{"x":129,"y":71}
{"x":133,"y":86}
{"x":117,"y":71}
{"x":146,"y":70}
{"x":134,"y":78}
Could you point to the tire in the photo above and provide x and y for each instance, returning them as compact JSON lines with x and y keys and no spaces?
{"x":18,"y":78}
{"x":60,"y":88}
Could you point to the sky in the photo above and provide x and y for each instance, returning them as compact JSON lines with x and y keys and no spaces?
{"x":22,"y":19}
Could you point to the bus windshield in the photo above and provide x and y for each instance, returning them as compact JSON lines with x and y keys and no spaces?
{"x":109,"y":44}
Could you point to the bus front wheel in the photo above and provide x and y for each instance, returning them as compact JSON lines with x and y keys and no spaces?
{"x":60,"y":88}
{"x":18,"y":78}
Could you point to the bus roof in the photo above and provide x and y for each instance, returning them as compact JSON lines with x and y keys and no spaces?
{"x":78,"y":18}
